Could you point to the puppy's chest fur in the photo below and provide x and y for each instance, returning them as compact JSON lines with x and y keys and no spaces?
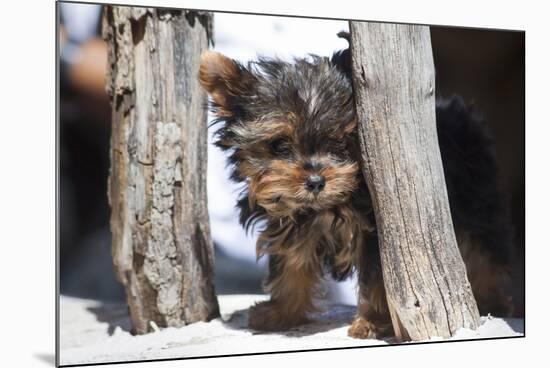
{"x":318,"y":241}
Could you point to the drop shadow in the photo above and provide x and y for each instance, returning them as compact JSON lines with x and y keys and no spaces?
{"x":46,"y":358}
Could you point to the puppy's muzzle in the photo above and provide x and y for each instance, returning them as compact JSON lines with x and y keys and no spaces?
{"x":315,"y":183}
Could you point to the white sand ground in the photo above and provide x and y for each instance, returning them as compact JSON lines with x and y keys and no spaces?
{"x":93,"y":332}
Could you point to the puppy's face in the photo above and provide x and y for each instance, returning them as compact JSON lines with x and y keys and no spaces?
{"x":290,"y":129}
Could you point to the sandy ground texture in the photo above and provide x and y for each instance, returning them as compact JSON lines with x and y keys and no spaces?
{"x":94,"y":332}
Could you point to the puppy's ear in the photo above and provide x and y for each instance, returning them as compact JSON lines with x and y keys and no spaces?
{"x":224,"y":79}
{"x":342,"y":59}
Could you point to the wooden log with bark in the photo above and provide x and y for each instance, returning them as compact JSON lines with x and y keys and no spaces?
{"x":424,"y":276}
{"x":161,"y":242}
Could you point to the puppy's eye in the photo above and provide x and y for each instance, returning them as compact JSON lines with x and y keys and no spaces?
{"x":340,"y":147}
{"x":280,"y":147}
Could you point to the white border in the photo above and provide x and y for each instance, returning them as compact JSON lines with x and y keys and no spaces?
{"x":27,"y":157}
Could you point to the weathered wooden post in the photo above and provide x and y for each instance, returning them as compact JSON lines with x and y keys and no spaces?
{"x":425,"y":278}
{"x":161,"y":243}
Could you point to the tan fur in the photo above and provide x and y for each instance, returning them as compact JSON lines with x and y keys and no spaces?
{"x":349,"y":128}
{"x":373,"y":318}
{"x":281,"y":188}
{"x":263,"y":131}
{"x":216,"y":71}
{"x":334,"y":233}
{"x":308,"y":226}
{"x":488,"y":280}
{"x":221,"y":78}
{"x":292,"y":291}
{"x":363,"y":328}
{"x":302,"y":251}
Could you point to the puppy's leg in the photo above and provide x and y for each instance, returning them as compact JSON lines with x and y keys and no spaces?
{"x":292,"y":286}
{"x":373,"y":318}
{"x":489,"y":279}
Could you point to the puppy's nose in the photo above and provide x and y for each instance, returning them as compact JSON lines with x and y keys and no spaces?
{"x":315,"y":183}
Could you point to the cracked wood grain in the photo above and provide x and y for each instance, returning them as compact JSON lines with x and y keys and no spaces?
{"x":425,"y":278}
{"x":161,"y":243}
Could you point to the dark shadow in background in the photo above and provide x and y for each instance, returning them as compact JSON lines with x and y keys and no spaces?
{"x":486,"y":67}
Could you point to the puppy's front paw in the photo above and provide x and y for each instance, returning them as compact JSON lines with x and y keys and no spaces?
{"x":362,"y":328}
{"x":270,"y":316}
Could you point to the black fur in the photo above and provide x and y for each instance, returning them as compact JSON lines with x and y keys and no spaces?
{"x":319,"y":91}
{"x":469,"y":163}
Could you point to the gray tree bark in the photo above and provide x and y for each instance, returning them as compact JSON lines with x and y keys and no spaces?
{"x":161,"y":243}
{"x":425,"y":278}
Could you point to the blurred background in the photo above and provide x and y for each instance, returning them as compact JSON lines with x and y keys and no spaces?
{"x":484,"y":66}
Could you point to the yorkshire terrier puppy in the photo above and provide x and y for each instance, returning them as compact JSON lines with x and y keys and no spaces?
{"x":290,"y":133}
